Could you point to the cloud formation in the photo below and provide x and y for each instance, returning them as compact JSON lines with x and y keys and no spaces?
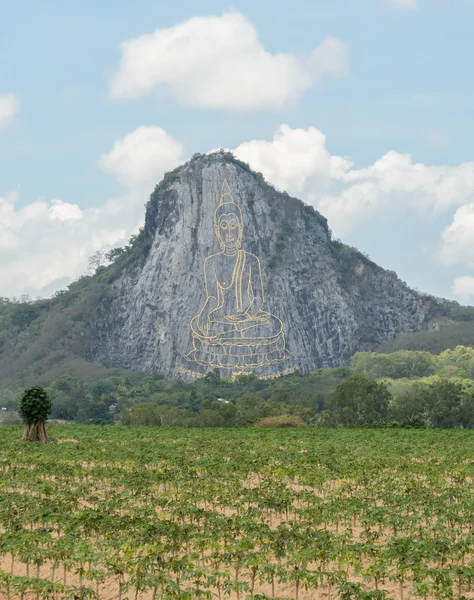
{"x":9,"y":107}
{"x":457,"y":239}
{"x":463,"y":288}
{"x":142,"y":156}
{"x":219,"y":62}
{"x":45,"y":245}
{"x":297,"y":160}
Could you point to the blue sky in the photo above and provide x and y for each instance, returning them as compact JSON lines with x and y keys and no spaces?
{"x":403,"y":84}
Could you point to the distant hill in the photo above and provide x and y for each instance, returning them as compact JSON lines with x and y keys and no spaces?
{"x":448,"y":336}
{"x":322,"y":302}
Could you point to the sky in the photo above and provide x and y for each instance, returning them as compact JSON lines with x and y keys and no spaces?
{"x":362,"y":109}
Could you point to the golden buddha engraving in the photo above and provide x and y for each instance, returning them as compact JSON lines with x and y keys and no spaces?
{"x":233,"y":330}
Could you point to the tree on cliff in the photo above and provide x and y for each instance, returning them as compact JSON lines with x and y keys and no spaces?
{"x":35,"y":407}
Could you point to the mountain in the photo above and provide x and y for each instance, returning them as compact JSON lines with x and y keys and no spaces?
{"x":227,"y":273}
{"x":321,"y":300}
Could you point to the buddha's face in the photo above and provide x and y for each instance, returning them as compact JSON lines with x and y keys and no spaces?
{"x":230,"y":231}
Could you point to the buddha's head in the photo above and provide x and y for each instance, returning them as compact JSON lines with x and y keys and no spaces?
{"x":228,"y":226}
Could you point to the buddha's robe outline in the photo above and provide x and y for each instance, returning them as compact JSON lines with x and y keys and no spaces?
{"x":243,"y":296}
{"x":233,"y":329}
{"x":237,"y":332}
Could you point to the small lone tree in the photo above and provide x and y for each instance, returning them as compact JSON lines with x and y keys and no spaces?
{"x":96,"y":261}
{"x":35,"y":408}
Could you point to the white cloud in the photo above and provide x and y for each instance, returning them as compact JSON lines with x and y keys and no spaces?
{"x":405,"y":4}
{"x":45,"y":245}
{"x":457,"y":245}
{"x":9,"y":107}
{"x":298,"y":161}
{"x":292,"y":157}
{"x":142,"y":156}
{"x":219,"y":62}
{"x":463,"y":288}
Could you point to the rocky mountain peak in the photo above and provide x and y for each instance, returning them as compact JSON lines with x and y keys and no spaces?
{"x":243,"y":278}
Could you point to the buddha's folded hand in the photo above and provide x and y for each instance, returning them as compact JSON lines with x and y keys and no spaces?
{"x":204,"y":325}
{"x":237,"y":318}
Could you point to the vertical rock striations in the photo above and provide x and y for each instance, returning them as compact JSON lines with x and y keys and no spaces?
{"x":330,"y":299}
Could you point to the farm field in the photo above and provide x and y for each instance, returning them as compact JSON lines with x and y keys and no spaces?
{"x":160,"y":513}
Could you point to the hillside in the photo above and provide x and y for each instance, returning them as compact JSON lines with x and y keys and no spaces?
{"x":447,"y":336}
{"x":323,"y":300}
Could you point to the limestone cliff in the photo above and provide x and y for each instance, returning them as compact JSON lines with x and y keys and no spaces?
{"x":330,"y":299}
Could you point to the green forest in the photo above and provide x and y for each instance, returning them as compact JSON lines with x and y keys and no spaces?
{"x":406,"y":388}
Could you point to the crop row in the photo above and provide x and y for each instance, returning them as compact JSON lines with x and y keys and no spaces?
{"x":185,"y":514}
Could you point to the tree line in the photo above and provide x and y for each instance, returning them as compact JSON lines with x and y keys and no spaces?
{"x":401,"y":389}
{"x":458,"y":362}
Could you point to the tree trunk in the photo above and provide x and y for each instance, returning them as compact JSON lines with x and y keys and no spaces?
{"x":35,"y":432}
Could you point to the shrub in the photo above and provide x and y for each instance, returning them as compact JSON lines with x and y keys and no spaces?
{"x":281,"y":421}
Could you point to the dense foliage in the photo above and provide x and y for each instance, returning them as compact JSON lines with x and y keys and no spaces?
{"x":208,"y":402}
{"x":34,"y":408}
{"x":458,"y":362}
{"x":405,"y":388}
{"x":143,"y":513}
{"x":35,"y":405}
{"x":356,"y":402}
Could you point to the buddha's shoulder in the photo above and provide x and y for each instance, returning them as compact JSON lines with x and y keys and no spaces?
{"x":212,"y":261}
{"x":220,"y":257}
{"x":213,"y":258}
{"x":251,"y":258}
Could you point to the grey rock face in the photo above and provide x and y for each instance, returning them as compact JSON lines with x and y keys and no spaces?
{"x":331,"y":300}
